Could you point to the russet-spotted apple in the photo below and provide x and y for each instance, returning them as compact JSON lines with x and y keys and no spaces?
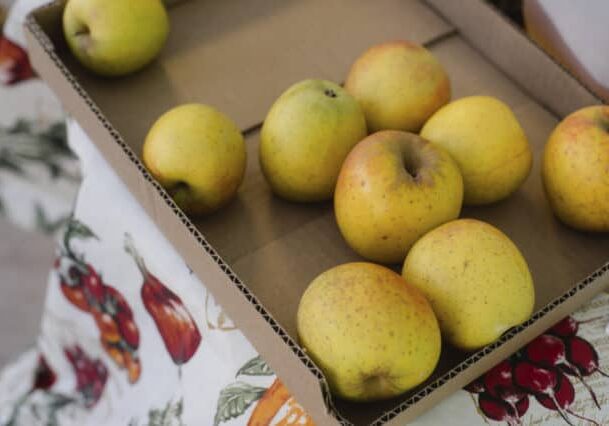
{"x":476,"y":280}
{"x":305,"y":138}
{"x":198,"y":155}
{"x":575,"y":169}
{"x":484,"y":137}
{"x":393,"y":188}
{"x":399,"y":85}
{"x":372,"y":334}
{"x":115,"y":37}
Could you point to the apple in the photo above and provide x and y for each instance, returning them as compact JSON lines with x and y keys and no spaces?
{"x":305,"y":138}
{"x":115,"y":37}
{"x":198,"y":155}
{"x":393,"y":188}
{"x":484,"y":137}
{"x":372,"y":334}
{"x":575,"y":169}
{"x":476,"y":280}
{"x":399,"y":85}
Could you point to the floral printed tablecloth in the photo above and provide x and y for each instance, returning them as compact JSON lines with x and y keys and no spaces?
{"x":130,"y":336}
{"x":38,"y":173}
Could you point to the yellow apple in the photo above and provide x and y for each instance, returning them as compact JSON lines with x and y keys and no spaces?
{"x":484,"y":137}
{"x":198,"y":155}
{"x":399,"y":85}
{"x":575,"y":169}
{"x":476,"y":280}
{"x":306,"y":135}
{"x":372,"y":334}
{"x":393,"y":188}
{"x":115,"y":37}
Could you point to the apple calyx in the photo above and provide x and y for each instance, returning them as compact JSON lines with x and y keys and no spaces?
{"x":377,"y":386}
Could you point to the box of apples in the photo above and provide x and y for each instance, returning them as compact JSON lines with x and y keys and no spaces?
{"x":388,"y":198}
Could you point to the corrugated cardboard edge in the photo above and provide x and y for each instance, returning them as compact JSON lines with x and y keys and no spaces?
{"x":297,"y":371}
{"x":509,"y":48}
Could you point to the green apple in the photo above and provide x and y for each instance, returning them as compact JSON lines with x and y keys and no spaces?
{"x":476,"y":280}
{"x":198,"y":155}
{"x":306,"y":135}
{"x":575,"y":169}
{"x":372,"y":334}
{"x":399,"y":85}
{"x":487,"y":142}
{"x":393,"y":188}
{"x":115,"y":37}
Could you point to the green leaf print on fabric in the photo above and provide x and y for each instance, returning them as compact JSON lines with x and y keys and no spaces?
{"x":170,"y":415}
{"x":255,"y":367}
{"x":22,"y":144}
{"x":235,"y":399}
{"x":47,"y":225}
{"x":79,"y":230}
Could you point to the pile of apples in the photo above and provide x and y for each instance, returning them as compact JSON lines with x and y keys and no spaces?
{"x":399,"y":160}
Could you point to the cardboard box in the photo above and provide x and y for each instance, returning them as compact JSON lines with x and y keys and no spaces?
{"x":258,"y":255}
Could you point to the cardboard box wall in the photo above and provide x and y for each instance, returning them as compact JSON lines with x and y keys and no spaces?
{"x":258,"y":255}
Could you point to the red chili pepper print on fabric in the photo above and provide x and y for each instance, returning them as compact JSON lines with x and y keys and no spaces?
{"x":83,"y":286}
{"x":14,"y":63}
{"x":175,"y":324}
{"x":73,"y":281}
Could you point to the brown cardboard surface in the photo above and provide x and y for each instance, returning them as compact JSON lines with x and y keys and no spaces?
{"x":239,"y":59}
{"x":239,"y":56}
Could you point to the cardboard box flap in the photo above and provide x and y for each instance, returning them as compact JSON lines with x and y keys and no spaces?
{"x":513,"y":52}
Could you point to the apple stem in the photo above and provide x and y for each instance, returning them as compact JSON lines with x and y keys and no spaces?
{"x":330,"y":93}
